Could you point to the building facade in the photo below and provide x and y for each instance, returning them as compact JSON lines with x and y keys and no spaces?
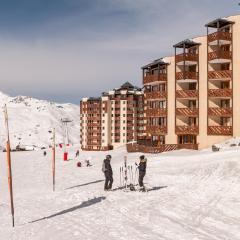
{"x":192,"y":98}
{"x":114,"y":119}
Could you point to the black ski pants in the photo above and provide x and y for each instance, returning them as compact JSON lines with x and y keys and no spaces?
{"x":108,"y":180}
{"x":140,"y":179}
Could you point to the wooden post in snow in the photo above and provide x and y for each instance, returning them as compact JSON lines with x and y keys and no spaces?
{"x":53,"y":158}
{"x":8,"y":151}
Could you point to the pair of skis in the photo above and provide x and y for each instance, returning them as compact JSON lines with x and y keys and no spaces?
{"x":127,"y":176}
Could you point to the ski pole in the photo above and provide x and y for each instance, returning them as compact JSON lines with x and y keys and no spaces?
{"x":125,"y":170}
{"x":120,"y":177}
{"x":130,"y":177}
{"x":135,"y":175}
{"x":132,"y":174}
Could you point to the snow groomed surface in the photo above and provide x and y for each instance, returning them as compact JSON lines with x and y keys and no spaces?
{"x":195,"y":195}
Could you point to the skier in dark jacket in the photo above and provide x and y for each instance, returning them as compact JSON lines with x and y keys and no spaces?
{"x":142,"y":171}
{"x":107,"y":169}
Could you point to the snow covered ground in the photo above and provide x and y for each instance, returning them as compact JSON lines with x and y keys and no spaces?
{"x":194,"y":196}
{"x":31,"y":121}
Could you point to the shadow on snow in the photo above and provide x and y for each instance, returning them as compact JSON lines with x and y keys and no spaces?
{"x":82,"y":205}
{"x":156,"y":188}
{"x":85,"y":184}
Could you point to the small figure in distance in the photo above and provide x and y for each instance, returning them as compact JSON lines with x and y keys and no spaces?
{"x":77,"y":154}
{"x":88,"y":164}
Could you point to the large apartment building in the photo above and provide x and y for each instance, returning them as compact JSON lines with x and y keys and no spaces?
{"x":192,"y":98}
{"x":114,"y":119}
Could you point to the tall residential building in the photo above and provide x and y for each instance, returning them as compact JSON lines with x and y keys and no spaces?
{"x":192,"y":98}
{"x":112,"y":120}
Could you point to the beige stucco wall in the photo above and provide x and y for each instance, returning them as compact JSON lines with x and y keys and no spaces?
{"x":236,"y":75}
{"x":171,"y":137}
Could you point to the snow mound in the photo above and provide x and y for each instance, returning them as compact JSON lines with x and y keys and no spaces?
{"x":229,"y":144}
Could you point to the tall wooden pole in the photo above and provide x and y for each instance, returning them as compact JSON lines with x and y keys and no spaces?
{"x":8,"y":151}
{"x":53,"y":158}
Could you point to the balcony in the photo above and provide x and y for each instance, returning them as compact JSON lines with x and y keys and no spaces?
{"x":156,"y":95}
{"x":159,"y":130}
{"x":186,"y":75}
{"x":220,"y":75}
{"x":220,"y":56}
{"x":154,"y":78}
{"x":187,"y":112}
{"x":187,"y":57}
{"x":187,"y":94}
{"x":156,"y":112}
{"x":182,"y":130}
{"x":220,"y":130}
{"x":220,"y":112}
{"x":220,"y":93}
{"x":219,"y":37}
{"x":134,"y":147}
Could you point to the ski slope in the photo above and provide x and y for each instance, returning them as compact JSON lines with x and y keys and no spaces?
{"x":194,"y":196}
{"x":31,"y":121}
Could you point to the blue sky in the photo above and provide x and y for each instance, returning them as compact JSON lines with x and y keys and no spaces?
{"x":63,"y":50}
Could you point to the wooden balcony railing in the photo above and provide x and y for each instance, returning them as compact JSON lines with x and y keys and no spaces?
{"x":226,"y":74}
{"x":154,"y":78}
{"x":220,"y":54}
{"x":219,"y":36}
{"x":187,"y":130}
{"x":156,"y":129}
{"x":193,"y":57}
{"x":186,"y":93}
{"x":134,"y":147}
{"x":221,"y":112}
{"x":220,"y":93}
{"x":186,"y":75}
{"x":95,"y":119}
{"x":94,"y":124}
{"x":220,"y":130}
{"x":156,"y":112}
{"x":188,"y":112}
{"x":155,"y":95}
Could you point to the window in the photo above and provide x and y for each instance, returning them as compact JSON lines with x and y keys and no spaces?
{"x":192,"y":86}
{"x":225,"y":85}
{"x":192,"y":121}
{"x":192,"y":104}
{"x":225,"y":103}
{"x":224,"y":121}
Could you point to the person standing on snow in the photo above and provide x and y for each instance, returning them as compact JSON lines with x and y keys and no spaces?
{"x":142,"y":171}
{"x":77,"y":154}
{"x":107,"y":170}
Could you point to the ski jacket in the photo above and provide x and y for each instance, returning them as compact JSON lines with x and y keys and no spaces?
{"x":106,"y":167}
{"x":142,"y":165}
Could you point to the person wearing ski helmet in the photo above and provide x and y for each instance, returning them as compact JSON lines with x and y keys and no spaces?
{"x":107,"y":170}
{"x":142,"y":170}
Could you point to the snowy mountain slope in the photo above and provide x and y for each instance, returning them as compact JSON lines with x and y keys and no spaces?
{"x":31,"y":121}
{"x":195,"y":197}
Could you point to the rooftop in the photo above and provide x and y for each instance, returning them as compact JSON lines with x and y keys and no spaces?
{"x":159,"y":61}
{"x":187,"y":43}
{"x":219,"y":23}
